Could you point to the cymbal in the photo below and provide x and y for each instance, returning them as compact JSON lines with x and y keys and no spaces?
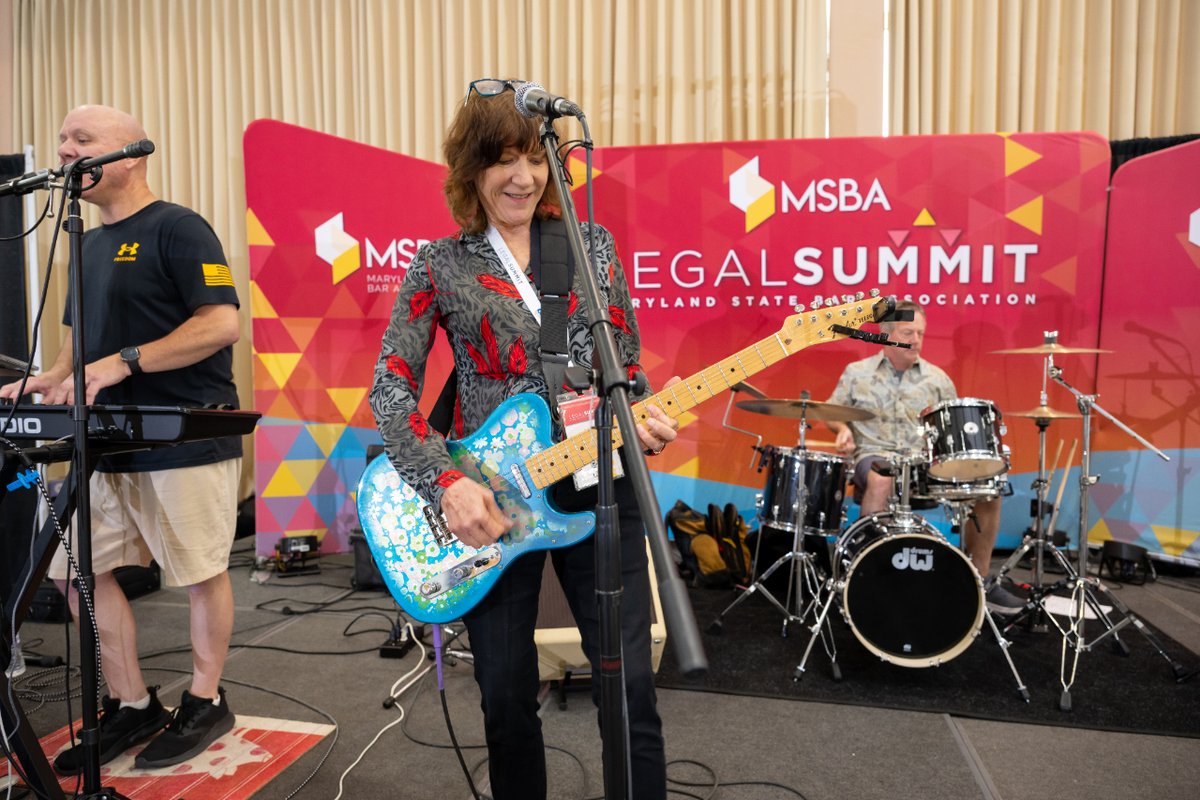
{"x":1044,"y":412}
{"x":809,"y":409}
{"x":1049,"y":349}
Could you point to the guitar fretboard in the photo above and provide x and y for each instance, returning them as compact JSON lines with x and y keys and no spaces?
{"x":565,"y":458}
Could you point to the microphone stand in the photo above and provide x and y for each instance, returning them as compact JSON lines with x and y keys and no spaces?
{"x":81,"y":466}
{"x":612,"y":386}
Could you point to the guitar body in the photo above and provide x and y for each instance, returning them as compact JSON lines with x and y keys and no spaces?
{"x":433,"y":576}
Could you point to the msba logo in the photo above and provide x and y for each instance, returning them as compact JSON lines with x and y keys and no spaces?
{"x":752,"y":194}
{"x":755,"y":195}
{"x":337,"y":248}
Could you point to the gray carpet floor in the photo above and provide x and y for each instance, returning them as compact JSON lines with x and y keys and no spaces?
{"x":820,"y":751}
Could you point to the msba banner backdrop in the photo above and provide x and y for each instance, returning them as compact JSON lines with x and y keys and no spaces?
{"x":999,"y":236}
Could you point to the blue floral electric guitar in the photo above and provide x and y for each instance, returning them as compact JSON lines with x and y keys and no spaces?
{"x":436,"y":578}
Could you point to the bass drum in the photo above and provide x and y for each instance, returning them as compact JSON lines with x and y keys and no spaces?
{"x":908,"y":595}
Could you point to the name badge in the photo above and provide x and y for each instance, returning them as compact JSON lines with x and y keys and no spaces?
{"x":578,"y":415}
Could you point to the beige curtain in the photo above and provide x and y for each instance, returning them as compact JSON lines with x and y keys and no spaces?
{"x":1122,"y":68}
{"x":391,"y":72}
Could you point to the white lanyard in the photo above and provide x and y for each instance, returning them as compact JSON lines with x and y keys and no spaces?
{"x":515,"y":273}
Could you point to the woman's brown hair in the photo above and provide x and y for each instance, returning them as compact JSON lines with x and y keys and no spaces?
{"x":478,"y":136}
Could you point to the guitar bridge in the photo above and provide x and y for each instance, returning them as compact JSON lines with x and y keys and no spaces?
{"x":437,"y":526}
{"x":464,"y":570}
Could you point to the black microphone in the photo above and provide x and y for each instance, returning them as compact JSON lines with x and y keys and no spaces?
{"x":533,"y":100}
{"x":25,"y":183}
{"x":142,"y":147}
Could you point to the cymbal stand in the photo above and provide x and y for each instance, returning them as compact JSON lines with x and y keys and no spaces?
{"x":1035,"y":617}
{"x":1082,"y":586}
{"x":802,"y":574}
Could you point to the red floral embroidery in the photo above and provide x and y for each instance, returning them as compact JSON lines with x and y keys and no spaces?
{"x":517,"y":357}
{"x":419,"y":426}
{"x":492,"y":283}
{"x":398,"y":366}
{"x":618,"y":317}
{"x":632,"y":370}
{"x":448,"y":477}
{"x":458,"y":419}
{"x":489,"y":366}
{"x":572,"y":304}
{"x":419,"y":304}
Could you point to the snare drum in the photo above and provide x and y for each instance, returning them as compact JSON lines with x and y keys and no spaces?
{"x":908,"y":595}
{"x":964,"y":440}
{"x":925,"y":487}
{"x":825,"y":480}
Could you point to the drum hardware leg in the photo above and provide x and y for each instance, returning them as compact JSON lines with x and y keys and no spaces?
{"x":717,"y":626}
{"x":820,"y":629}
{"x":1004,"y":644}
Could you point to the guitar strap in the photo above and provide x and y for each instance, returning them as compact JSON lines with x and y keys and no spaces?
{"x":553,"y":273}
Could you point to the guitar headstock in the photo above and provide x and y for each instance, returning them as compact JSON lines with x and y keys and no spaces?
{"x":815,"y":325}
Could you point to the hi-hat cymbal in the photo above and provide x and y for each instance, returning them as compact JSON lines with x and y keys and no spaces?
{"x":809,"y":409}
{"x":1044,"y":412}
{"x":1049,"y":349}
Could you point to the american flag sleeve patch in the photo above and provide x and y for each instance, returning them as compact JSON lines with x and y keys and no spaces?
{"x":217,"y":275}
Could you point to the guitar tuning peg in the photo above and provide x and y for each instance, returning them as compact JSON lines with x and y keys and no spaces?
{"x":829,"y":301}
{"x":858,"y":296}
{"x":816,"y":303}
{"x":874,"y":293}
{"x":847,"y":298}
{"x":797,"y":308}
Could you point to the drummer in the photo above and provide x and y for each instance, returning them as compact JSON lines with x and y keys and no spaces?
{"x":897,"y":385}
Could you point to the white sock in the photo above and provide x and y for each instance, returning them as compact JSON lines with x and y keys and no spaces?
{"x":140,"y":705}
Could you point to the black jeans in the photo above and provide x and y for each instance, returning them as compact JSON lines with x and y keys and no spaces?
{"x":506,"y":665}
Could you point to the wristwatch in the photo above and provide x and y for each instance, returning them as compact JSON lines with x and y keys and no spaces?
{"x":130,"y":356}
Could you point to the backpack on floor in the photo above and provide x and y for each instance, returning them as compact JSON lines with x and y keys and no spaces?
{"x":712,"y":548}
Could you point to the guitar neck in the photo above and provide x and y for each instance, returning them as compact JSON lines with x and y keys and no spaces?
{"x":565,"y":458}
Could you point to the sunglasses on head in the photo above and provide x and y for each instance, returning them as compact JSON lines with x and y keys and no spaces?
{"x":489,"y":87}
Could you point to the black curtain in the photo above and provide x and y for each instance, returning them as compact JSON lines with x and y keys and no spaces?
{"x":14,"y":336}
{"x":1125,"y":149}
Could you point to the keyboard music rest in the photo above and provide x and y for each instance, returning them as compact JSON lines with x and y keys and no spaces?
{"x":149,"y":424}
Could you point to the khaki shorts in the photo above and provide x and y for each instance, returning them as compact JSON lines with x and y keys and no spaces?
{"x":182,"y":518}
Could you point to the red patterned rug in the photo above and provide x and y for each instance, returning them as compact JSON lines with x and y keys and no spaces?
{"x":234,"y":767}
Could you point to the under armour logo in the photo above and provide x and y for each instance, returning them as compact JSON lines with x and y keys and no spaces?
{"x":915,"y":558}
{"x":128,"y":249}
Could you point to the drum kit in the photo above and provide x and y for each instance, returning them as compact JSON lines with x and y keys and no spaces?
{"x":908,"y":595}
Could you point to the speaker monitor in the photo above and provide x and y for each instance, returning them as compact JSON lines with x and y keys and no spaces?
{"x":557,"y":638}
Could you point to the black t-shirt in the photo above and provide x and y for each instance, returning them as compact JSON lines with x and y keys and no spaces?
{"x":143,"y":277}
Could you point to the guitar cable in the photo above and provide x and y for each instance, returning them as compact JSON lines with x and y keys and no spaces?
{"x":441,"y":682}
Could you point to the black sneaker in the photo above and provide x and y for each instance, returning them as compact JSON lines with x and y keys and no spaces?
{"x":197,"y":723}
{"x":1002,"y":601}
{"x":120,"y":729}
